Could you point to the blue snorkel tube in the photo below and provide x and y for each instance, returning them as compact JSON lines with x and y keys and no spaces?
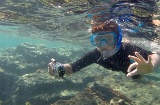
{"x":119,"y":42}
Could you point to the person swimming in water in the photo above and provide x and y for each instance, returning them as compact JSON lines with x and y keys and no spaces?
{"x":111,"y":53}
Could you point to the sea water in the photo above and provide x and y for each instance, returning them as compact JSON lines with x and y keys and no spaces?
{"x":68,"y":30}
{"x":12,"y":36}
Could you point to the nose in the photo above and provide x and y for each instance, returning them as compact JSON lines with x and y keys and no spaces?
{"x":103,"y":44}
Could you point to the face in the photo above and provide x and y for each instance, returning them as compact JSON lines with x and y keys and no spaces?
{"x":104,"y":40}
{"x":106,"y":48}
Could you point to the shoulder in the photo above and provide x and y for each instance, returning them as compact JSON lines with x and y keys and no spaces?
{"x":128,"y":44}
{"x":131,"y":48}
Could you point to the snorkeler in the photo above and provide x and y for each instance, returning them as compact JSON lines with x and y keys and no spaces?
{"x":112,"y":53}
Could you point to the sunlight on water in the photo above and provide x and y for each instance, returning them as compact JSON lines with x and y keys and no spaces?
{"x":11,"y":36}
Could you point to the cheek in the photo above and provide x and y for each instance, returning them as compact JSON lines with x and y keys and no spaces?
{"x":112,"y":47}
{"x":109,"y":47}
{"x":106,"y":48}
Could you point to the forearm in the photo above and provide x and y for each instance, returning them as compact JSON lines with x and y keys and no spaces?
{"x":155,"y":61}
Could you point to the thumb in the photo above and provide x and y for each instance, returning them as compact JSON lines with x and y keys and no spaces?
{"x":149,"y":59}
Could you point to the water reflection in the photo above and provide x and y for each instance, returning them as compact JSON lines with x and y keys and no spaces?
{"x":12,"y":36}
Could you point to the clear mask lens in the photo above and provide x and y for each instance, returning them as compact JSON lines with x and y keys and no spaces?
{"x":101,"y":39}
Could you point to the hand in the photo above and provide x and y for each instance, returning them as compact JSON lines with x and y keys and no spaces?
{"x":56,"y":69}
{"x":141,"y":66}
{"x":50,"y":68}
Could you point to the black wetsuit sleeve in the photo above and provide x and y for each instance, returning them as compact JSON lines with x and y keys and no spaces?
{"x":89,"y":58}
{"x":133,"y":48}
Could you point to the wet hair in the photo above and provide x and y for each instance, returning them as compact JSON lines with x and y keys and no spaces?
{"x":107,"y":26}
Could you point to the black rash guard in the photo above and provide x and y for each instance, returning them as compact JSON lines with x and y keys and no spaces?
{"x":118,"y":62}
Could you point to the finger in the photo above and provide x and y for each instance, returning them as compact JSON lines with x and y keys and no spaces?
{"x":135,"y":59}
{"x":149,"y":59}
{"x":132,"y":73}
{"x":132,"y":66}
{"x":140,"y":57}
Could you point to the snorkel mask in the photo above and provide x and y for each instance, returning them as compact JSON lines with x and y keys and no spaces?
{"x":106,"y":54}
{"x":107,"y":38}
{"x":103,"y":39}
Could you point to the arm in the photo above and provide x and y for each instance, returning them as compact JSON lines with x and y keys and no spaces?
{"x":87,"y":59}
{"x":141,"y":66}
{"x":67,"y":68}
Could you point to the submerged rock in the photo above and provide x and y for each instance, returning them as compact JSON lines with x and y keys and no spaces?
{"x":117,"y":101}
{"x":28,"y":58}
{"x":7,"y":81}
{"x":86,"y":97}
{"x":25,"y":79}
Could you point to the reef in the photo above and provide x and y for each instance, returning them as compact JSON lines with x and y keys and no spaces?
{"x":21,"y":59}
{"x":26,"y":80}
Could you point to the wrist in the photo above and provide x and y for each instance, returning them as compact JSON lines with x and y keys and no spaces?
{"x":61,"y":71}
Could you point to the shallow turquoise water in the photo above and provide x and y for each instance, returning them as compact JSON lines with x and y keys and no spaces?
{"x":11,"y":36}
{"x":15,"y":34}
